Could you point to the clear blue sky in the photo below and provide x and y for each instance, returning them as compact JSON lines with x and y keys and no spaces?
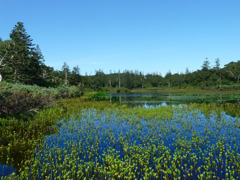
{"x":146,"y":35}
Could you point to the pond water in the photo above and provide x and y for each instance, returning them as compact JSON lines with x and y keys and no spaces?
{"x":158,"y":99}
{"x":92,"y":143}
{"x":6,"y":170}
{"x":91,"y":135}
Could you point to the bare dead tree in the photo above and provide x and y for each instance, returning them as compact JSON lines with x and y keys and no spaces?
{"x":119,"y":80}
{"x":2,"y":64}
{"x":110,"y":83}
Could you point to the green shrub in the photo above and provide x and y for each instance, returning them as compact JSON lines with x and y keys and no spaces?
{"x":23,"y":101}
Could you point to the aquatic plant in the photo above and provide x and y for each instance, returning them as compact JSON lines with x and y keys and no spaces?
{"x":100,"y":141}
{"x":19,"y":138}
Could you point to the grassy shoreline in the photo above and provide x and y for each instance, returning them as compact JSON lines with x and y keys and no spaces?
{"x":187,"y":90}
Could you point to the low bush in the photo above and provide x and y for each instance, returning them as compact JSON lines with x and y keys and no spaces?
{"x":23,"y":101}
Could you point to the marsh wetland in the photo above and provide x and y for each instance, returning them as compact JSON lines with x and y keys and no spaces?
{"x":154,"y":98}
{"x":121,"y":92}
{"x":150,"y":140}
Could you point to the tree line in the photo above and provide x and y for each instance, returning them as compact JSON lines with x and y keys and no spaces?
{"x":21,"y":61}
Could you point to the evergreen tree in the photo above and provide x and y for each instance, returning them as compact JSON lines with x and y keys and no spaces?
{"x":187,"y":71}
{"x":99,"y":79}
{"x":76,"y":77}
{"x":24,"y":59}
{"x":206,"y":65}
{"x":76,"y":70}
{"x":128,"y":79}
{"x":168,"y":78}
{"x":217,"y":64}
{"x":48,"y":76}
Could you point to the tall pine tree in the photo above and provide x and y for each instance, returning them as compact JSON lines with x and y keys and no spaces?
{"x":24,"y":59}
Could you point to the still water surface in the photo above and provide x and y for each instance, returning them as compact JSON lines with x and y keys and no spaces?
{"x":152,"y":100}
{"x":158,"y":99}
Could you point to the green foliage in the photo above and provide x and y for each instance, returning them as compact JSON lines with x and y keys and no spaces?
{"x":206,"y":65}
{"x":232,"y":109}
{"x":23,"y":61}
{"x":232,"y":69}
{"x":96,"y":96}
{"x":205,"y":78}
{"x":24,"y":101}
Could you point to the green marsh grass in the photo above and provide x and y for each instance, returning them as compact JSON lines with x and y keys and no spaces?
{"x":99,"y":140}
{"x":19,"y":138}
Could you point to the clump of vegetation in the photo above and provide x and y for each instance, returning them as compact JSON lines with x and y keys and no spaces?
{"x":99,"y":96}
{"x":23,"y":101}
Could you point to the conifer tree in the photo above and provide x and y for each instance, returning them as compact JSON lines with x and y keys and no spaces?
{"x":217,"y":64}
{"x":206,"y":65}
{"x":24,"y":58}
{"x":76,"y":77}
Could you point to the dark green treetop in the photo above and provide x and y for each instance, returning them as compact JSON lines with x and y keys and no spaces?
{"x":217,"y":64}
{"x":24,"y":58}
{"x":206,"y":65}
